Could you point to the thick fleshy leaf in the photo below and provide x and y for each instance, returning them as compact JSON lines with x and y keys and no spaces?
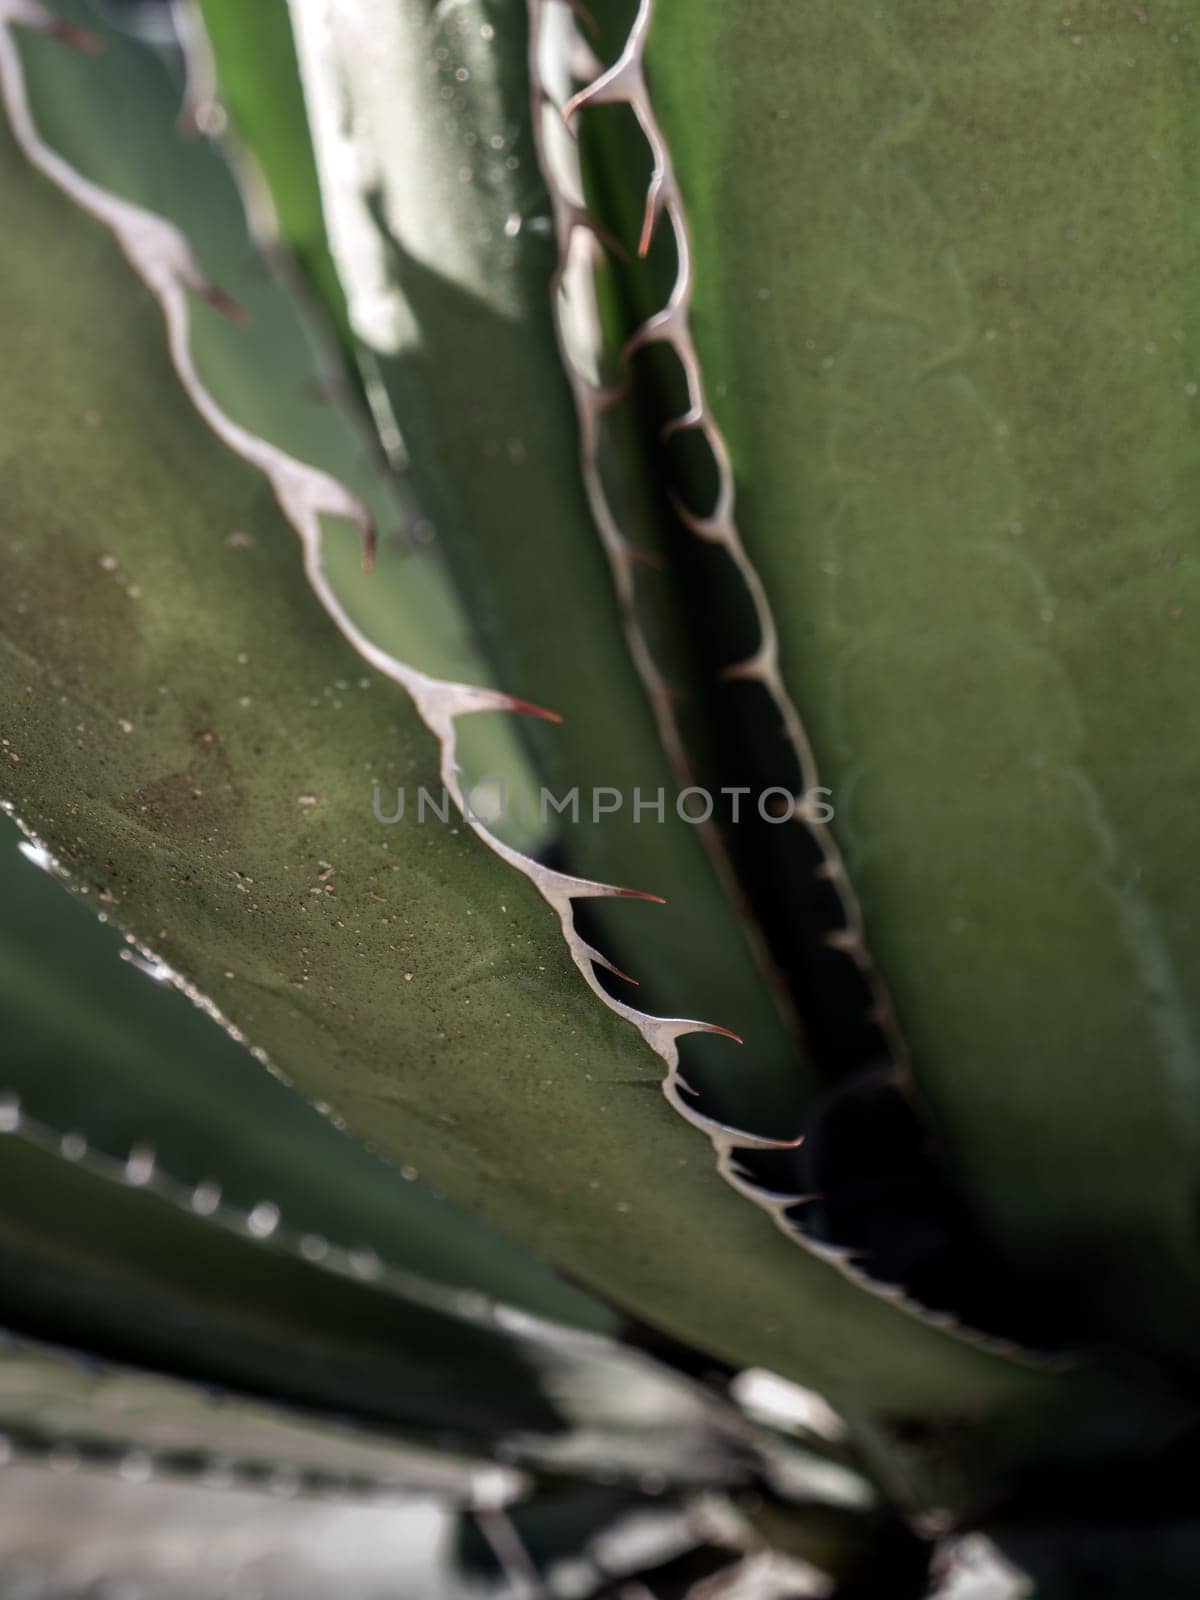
{"x":118,"y":1260}
{"x":119,"y":580}
{"x":260,"y":89}
{"x":55,"y":1402}
{"x":102,"y":1258}
{"x":122,"y":1076}
{"x":109,"y":1054}
{"x":273,"y":1510}
{"x":955,"y":374}
{"x":182,"y":1537}
{"x":765,"y":1091}
{"x":429,"y":249}
{"x":115,"y":116}
{"x":441,"y":229}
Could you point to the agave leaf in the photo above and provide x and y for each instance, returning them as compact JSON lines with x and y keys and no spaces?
{"x":117,"y":1259}
{"x":187,"y":1540}
{"x":115,"y":116}
{"x":113,"y":1060}
{"x":319,"y":981}
{"x":440,"y":1529}
{"x":77,"y":1017}
{"x":182,"y":1112}
{"x":103,"y":1258}
{"x":260,"y":90}
{"x":467,"y":243}
{"x":448,"y":279}
{"x":53,"y":1399}
{"x":766,"y":1092}
{"x":967,"y":475}
{"x":526,"y":1049}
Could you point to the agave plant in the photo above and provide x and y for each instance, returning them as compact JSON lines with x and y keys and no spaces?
{"x":472,"y":469}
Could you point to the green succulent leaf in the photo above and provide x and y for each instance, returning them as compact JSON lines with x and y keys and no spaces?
{"x":854,"y":320}
{"x":541,"y":1093}
{"x":967,"y":477}
{"x":56,"y":1399}
{"x":103,"y":1257}
{"x":115,"y":1060}
{"x":441,"y":225}
{"x":260,"y":89}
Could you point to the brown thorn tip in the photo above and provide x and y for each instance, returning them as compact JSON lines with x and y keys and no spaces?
{"x":529,"y":709}
{"x":649,"y":223}
{"x":370,"y":545}
{"x":640,"y":894}
{"x":225,"y":304}
{"x":726,"y":1033}
{"x":72,"y":34}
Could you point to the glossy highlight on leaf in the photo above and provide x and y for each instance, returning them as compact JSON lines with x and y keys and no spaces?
{"x":455,"y":399}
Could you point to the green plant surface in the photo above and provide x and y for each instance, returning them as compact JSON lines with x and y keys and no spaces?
{"x":182,"y":1115}
{"x":172,"y":1081}
{"x":55,"y":1398}
{"x":454,"y":322}
{"x":260,"y":89}
{"x":121,"y":1259}
{"x":100,"y":1261}
{"x":114,"y":115}
{"x":947,"y":313}
{"x":544,"y":1116}
{"x":972,"y":607}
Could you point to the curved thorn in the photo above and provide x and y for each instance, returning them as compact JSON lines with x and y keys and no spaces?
{"x":654,"y":205}
{"x":636,"y":894}
{"x":602,"y":960}
{"x":528,"y":708}
{"x":224,"y":303}
{"x":715,"y":1027}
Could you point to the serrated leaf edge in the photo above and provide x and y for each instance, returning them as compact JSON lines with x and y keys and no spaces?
{"x":162,"y":258}
{"x":624,"y":82}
